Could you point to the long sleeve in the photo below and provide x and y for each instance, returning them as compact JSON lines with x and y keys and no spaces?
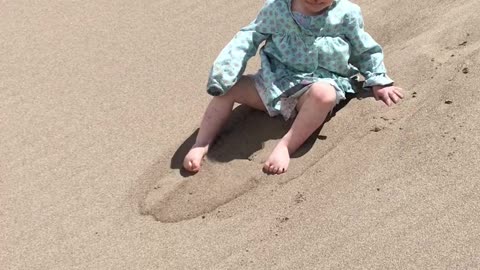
{"x":367,"y":55}
{"x":230,"y":64}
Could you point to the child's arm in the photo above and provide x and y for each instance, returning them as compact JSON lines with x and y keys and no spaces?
{"x":367,"y":56}
{"x":230,"y":64}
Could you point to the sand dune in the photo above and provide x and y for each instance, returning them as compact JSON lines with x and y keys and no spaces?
{"x":99,"y":102}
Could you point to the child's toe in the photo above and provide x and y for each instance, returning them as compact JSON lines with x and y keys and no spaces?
{"x":195,"y":166}
{"x":191,"y":166}
{"x":266,"y":167}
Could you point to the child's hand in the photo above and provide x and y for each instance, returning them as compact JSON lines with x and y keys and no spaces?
{"x":387,"y":94}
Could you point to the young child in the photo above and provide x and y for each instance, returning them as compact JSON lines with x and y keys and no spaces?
{"x":312,"y":49}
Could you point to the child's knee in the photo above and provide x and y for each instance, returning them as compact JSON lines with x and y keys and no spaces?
{"x":233,"y":93}
{"x":323,"y":93}
{"x":229,"y":96}
{"x":240,"y":91}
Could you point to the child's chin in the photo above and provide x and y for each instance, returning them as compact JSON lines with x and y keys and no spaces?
{"x":318,"y":10}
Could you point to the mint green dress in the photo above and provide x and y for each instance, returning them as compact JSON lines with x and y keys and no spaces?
{"x":300,"y":50}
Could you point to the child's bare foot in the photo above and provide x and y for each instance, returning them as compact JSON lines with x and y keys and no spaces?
{"x":277,"y":162}
{"x":193,"y":160}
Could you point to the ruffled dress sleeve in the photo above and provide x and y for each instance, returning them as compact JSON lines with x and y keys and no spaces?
{"x":232,"y":60}
{"x":366,"y":55}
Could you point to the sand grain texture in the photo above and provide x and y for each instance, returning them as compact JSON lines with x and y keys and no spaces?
{"x":99,"y":101}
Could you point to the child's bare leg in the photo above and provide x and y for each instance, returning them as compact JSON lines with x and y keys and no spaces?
{"x":217,"y":113}
{"x":313,"y":107}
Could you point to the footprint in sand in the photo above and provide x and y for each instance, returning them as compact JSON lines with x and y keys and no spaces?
{"x":232,"y":169}
{"x":175,"y":198}
{"x":165,"y":188}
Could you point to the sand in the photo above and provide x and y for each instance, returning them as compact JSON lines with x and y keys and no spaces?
{"x":99,"y":102}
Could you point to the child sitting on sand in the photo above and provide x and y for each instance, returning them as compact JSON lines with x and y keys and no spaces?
{"x":312,"y":49}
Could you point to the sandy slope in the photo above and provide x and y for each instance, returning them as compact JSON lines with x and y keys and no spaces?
{"x":99,"y":102}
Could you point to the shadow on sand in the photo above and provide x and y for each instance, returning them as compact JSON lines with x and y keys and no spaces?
{"x":246,"y":132}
